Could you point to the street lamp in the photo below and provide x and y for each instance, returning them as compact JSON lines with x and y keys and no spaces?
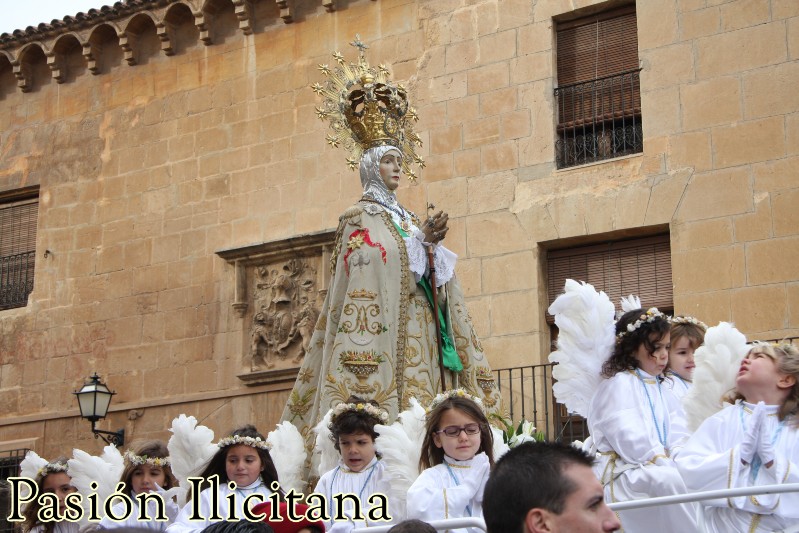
{"x":93,"y":400}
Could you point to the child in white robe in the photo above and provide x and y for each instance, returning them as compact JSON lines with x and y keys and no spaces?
{"x":636,"y":424}
{"x":687,"y":334}
{"x":52,"y":478}
{"x":243,"y":459}
{"x":753,"y":442}
{"x":456,"y":460}
{"x":147,"y":470}
{"x":360,"y":471}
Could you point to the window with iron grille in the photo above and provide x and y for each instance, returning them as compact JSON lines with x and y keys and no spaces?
{"x":598,"y":95}
{"x":18,"y":214}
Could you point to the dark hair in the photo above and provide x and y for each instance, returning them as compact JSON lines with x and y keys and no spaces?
{"x":432,"y":455}
{"x":239,"y":526}
{"x":216,"y":465}
{"x":529,"y":476}
{"x":412,"y":526}
{"x":648,"y":333}
{"x":31,"y":511}
{"x":355,"y":421}
{"x":150,"y":449}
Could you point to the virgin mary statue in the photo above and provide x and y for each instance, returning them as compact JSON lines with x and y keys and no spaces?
{"x":376,"y":336}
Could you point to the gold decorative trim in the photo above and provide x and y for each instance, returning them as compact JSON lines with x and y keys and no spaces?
{"x":402,"y":319}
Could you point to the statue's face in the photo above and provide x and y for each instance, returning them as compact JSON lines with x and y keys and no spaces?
{"x":390,"y":169}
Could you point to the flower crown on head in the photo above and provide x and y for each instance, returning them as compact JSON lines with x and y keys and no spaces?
{"x":453,"y":393}
{"x":367,"y":408}
{"x":137,"y":460}
{"x":649,"y":316}
{"x":52,"y":468}
{"x":688,"y":320}
{"x":254,"y":442}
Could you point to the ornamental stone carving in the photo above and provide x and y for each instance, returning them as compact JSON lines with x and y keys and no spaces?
{"x":279,"y":288}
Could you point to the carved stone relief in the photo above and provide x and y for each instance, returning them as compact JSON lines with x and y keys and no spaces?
{"x":279,"y":288}
{"x":286,"y":299}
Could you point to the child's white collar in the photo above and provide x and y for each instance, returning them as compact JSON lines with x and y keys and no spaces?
{"x":454,"y":462}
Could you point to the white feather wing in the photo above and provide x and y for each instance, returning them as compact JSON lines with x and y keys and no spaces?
{"x":104,"y":470}
{"x":400,"y":445}
{"x":191,"y":446}
{"x":630,"y":303}
{"x":324,"y":445}
{"x":586,"y":338}
{"x":29,"y":467}
{"x":717,"y":363}
{"x":288,"y":454}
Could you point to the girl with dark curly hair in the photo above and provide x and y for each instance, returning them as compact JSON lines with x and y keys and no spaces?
{"x":636,"y":423}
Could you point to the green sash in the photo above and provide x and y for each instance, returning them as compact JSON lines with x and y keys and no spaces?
{"x":448,"y":353}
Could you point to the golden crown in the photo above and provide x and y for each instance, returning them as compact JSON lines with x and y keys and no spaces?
{"x":366,"y":109}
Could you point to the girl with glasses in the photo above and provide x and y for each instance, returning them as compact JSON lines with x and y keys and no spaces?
{"x":455,"y":461}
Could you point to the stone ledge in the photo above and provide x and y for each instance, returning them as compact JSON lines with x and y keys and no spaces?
{"x":132,"y":22}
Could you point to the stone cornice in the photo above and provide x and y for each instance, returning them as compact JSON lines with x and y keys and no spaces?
{"x":19,"y":47}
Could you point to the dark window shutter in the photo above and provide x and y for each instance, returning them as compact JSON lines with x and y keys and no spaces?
{"x":18,"y":218}
{"x":641,"y":267}
{"x":598,"y":95}
{"x":594,"y":47}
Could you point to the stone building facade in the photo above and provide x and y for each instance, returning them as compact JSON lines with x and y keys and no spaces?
{"x":186,"y":196}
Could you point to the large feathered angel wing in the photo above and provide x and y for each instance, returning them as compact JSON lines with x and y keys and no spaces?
{"x":105,"y":470}
{"x":717,"y":363}
{"x":288,"y":454}
{"x":586,"y":338}
{"x":328,"y":456}
{"x":29,"y":467}
{"x":400,"y":445}
{"x":191,"y":446}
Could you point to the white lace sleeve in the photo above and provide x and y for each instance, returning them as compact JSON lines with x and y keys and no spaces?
{"x":417,"y":256}
{"x":443,"y":259}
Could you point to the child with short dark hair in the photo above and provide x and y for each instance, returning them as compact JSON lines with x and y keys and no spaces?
{"x":360,"y":471}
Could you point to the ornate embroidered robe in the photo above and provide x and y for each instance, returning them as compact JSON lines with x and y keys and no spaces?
{"x":375,"y":337}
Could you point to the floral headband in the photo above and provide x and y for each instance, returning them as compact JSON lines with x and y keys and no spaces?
{"x":453,"y":393}
{"x":649,"y":316}
{"x":367,"y":408}
{"x":254,"y":442}
{"x":688,"y":320}
{"x":137,"y":460}
{"x":52,"y":468}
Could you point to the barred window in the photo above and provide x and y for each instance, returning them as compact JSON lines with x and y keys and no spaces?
{"x":598,"y":94}
{"x":18,"y":216}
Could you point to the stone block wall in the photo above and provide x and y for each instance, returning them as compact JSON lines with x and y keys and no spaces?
{"x":151,"y":157}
